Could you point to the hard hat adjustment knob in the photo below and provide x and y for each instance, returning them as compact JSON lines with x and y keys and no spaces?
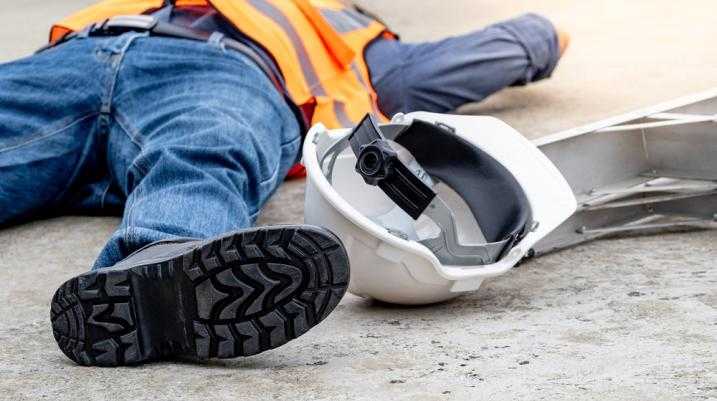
{"x":378,"y":164}
{"x":375,"y":161}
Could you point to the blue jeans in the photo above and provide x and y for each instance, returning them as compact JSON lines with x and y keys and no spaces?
{"x":183,"y":138}
{"x":444,"y":75}
{"x":187,"y":139}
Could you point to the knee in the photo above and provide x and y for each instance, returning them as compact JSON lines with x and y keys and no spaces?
{"x":222,"y":169}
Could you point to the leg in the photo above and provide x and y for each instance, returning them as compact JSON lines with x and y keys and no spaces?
{"x":49,"y":129}
{"x":197,"y":147}
{"x":199,"y":141}
{"x":441,"y":76}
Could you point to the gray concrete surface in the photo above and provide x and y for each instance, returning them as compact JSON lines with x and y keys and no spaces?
{"x":622,"y":319}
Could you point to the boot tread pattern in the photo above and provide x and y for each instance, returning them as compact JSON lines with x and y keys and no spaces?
{"x":288,"y":281}
{"x":235,"y":296}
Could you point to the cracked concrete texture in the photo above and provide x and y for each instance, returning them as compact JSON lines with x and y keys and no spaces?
{"x":621,"y":319}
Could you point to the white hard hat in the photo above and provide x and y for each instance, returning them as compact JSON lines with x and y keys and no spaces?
{"x":430,"y":205}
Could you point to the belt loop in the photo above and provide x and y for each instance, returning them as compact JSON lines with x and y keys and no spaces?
{"x":217,"y":39}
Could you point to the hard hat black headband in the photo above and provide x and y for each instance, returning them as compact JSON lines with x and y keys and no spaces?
{"x":489,"y":189}
{"x":379,"y":165}
{"x":491,"y":192}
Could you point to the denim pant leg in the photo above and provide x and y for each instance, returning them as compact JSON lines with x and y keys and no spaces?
{"x":50,"y":139}
{"x":199,"y":140}
{"x":444,"y":75}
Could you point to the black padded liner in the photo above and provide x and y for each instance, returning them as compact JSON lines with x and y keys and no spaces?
{"x":490,"y":190}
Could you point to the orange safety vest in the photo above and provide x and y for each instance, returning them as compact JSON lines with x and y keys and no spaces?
{"x":318,"y":46}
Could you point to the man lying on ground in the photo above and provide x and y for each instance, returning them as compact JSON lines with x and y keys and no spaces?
{"x":185,"y":120}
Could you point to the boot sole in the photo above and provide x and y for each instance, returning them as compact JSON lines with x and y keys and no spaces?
{"x":238,"y":295}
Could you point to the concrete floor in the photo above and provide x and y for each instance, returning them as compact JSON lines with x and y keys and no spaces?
{"x":622,"y":319}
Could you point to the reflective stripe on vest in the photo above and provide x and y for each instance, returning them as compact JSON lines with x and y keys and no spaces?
{"x":345,"y":21}
{"x":318,"y":46}
{"x":310,"y":75}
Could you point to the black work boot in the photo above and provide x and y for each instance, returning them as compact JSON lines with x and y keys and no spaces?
{"x":234,"y":295}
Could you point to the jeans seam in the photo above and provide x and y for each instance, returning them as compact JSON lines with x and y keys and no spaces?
{"x":135,"y":139}
{"x":104,"y":195}
{"x":273,"y":175}
{"x":255,"y":212}
{"x":298,"y":139}
{"x":86,"y":150}
{"x":283,"y":145}
{"x":128,"y":130}
{"x":122,"y":52}
{"x":39,"y":137}
{"x":253,"y":216}
{"x":138,"y":165}
{"x":129,"y":232}
{"x":290,"y":141}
